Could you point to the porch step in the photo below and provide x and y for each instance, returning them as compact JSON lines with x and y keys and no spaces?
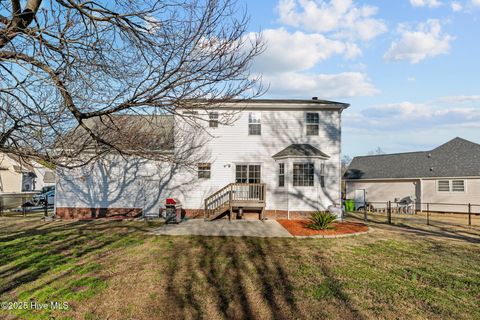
{"x":234,"y":196}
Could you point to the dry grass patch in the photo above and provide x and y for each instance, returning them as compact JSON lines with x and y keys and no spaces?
{"x":117,"y":270}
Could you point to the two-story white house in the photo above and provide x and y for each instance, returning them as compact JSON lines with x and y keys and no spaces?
{"x":278,"y":158}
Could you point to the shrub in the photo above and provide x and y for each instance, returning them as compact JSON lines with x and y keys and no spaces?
{"x":321,"y":220}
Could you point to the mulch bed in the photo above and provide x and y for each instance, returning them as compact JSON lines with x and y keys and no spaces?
{"x":299,"y":228}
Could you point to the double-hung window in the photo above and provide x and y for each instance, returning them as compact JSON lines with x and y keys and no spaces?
{"x":281,"y":174}
{"x":204,"y":170}
{"x":254,"y":124}
{"x":303,"y":174}
{"x":213,"y":120}
{"x":322,"y":175}
{"x":313,"y":123}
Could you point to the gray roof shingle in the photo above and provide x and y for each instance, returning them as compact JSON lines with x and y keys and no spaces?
{"x":301,"y":150}
{"x":456,"y":158}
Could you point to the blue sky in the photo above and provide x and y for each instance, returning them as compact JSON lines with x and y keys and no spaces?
{"x":409,"y":68}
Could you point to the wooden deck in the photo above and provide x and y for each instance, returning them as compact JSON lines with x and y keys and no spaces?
{"x":235,"y":196}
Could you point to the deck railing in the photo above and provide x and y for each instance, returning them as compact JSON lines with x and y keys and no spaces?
{"x":226,"y":197}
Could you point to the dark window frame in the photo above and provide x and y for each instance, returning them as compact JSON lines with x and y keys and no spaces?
{"x":281,"y":175}
{"x":312,"y":123}
{"x":213,"y":119}
{"x":255,"y":124}
{"x":204,"y":170}
{"x":303,"y":174}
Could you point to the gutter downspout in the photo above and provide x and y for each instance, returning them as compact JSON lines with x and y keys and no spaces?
{"x":287,"y":182}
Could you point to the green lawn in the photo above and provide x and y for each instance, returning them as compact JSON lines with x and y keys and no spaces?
{"x":116,"y":270}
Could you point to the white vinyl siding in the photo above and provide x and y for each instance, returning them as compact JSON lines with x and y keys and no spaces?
{"x":230,"y":145}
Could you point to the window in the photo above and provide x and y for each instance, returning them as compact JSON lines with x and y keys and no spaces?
{"x":281,"y":175}
{"x":443,"y":185}
{"x":451,"y":185}
{"x":254,"y":125}
{"x":213,"y":122}
{"x":322,"y":175}
{"x":204,"y":170}
{"x":458,"y":185}
{"x":247,"y":173}
{"x":303,"y":174}
{"x":313,"y":122}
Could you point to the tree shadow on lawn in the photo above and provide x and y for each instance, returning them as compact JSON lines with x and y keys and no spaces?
{"x":246,"y":278}
{"x":32,"y":253}
{"x":450,"y":232}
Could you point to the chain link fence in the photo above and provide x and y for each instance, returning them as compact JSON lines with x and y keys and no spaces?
{"x":429,"y":213}
{"x":23,"y":205}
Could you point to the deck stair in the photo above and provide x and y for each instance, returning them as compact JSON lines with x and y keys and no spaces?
{"x":233,"y":197}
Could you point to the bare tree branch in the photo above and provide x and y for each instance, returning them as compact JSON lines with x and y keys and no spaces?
{"x":67,"y":65}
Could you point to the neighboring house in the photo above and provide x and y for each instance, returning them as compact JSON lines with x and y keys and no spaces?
{"x":19,"y":180}
{"x":449,"y":173}
{"x":19,"y":176}
{"x":278,"y":158}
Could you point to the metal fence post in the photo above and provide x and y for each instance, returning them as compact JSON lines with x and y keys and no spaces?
{"x":428,"y":214}
{"x":470,"y":214}
{"x":365,"y":218}
{"x":389,"y":212}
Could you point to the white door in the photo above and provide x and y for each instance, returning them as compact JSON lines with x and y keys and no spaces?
{"x":359,"y":198}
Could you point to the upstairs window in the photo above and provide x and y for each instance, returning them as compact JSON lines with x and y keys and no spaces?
{"x":213,"y":120}
{"x":254,"y":124}
{"x":303,"y":174}
{"x":313,"y":123}
{"x":281,"y":175}
{"x":204,"y":170}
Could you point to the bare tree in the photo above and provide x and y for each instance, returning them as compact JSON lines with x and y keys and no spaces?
{"x":346,"y":160}
{"x":377,"y":151}
{"x":67,"y":64}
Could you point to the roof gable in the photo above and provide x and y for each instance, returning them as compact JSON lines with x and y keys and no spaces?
{"x":300,"y":151}
{"x":456,"y":158}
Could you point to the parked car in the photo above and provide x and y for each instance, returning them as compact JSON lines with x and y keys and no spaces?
{"x":45,"y":198}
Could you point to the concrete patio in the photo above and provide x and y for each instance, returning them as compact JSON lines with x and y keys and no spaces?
{"x":235,"y":228}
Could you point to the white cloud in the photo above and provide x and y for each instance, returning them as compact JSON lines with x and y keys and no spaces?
{"x":427,"y":40}
{"x":341,"y":85}
{"x":456,"y":6}
{"x":425,"y":3}
{"x":405,"y":116}
{"x":476,"y":3}
{"x":460,"y":99}
{"x":342,"y":18}
{"x":297,"y":51}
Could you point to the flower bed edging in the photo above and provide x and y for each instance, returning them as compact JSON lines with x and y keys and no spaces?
{"x":300,"y":229}
{"x":331,"y":236}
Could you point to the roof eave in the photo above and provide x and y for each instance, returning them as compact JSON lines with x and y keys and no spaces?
{"x":299,"y":157}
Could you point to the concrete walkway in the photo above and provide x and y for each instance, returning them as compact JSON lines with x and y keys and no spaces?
{"x":235,"y":228}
